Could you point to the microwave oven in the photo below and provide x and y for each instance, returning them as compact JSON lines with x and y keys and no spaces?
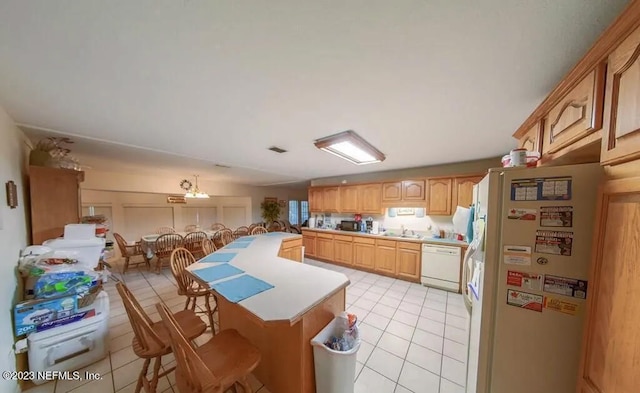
{"x":353,"y":226}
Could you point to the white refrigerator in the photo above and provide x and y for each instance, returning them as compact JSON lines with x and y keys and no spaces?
{"x":526,"y":273}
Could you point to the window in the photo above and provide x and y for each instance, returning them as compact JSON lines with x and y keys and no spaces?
{"x":298,"y":212}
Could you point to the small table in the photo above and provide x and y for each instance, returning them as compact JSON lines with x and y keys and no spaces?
{"x":148,"y":242}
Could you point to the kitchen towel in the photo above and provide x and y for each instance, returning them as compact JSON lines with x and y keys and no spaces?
{"x":237,"y":245}
{"x":219,"y":257}
{"x":215,"y":273}
{"x":240,"y":288}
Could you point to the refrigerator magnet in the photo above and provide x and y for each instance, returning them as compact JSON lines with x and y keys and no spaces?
{"x":554,"y":242}
{"x":556,"y":216}
{"x":531,"y":281}
{"x":560,"y":305}
{"x":528,"y":301}
{"x":517,"y":255}
{"x":566,"y":286}
{"x":522,"y":214}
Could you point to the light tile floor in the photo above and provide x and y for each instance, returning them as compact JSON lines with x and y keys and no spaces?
{"x":414,"y":338}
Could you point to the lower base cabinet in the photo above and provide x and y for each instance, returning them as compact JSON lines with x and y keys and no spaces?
{"x":309,"y":243}
{"x":343,"y":249}
{"x":324,"y":246}
{"x":408,"y":259}
{"x":385,"y":261}
{"x":364,"y":253}
{"x":291,"y":249}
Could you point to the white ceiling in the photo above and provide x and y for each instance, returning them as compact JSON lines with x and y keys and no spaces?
{"x":426,"y":82}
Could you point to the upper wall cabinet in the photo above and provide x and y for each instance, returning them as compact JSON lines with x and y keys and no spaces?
{"x":577,"y":116}
{"x":370,"y":198}
{"x":316,"y":196}
{"x":413,"y":190}
{"x":439,"y":198}
{"x":349,"y":199}
{"x":404,"y":193}
{"x":532,"y":139}
{"x":463,"y":191}
{"x":331,"y":200}
{"x":392,"y":192}
{"x":621,"y":139}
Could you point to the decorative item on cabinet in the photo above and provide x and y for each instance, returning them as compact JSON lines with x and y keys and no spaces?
{"x":51,"y":152}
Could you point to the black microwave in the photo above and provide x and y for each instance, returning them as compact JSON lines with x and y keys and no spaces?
{"x":353,"y":226}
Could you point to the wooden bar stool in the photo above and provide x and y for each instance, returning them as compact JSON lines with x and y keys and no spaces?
{"x":221,"y":363}
{"x":151,"y":339}
{"x":187,"y":286}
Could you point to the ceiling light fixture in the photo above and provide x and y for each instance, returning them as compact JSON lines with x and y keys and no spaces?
{"x":193,"y":192}
{"x":350,"y":146}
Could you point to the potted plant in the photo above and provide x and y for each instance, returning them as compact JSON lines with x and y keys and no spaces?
{"x":50,"y":151}
{"x":270,"y":211}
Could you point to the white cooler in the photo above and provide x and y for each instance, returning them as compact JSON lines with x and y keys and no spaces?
{"x":73,"y":346}
{"x":87,"y":251}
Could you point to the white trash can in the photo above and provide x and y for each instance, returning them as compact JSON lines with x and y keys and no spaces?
{"x":335,"y":370}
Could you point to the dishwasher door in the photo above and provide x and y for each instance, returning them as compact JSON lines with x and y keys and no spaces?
{"x":441,"y":267}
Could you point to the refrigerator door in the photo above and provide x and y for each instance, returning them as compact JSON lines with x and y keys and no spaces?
{"x":547,"y":218}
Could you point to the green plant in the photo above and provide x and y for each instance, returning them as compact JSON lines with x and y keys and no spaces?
{"x":270,"y":211}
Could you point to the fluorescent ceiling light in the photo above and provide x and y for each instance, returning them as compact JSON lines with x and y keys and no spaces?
{"x":350,"y":146}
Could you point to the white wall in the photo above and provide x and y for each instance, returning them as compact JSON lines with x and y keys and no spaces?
{"x":13,"y":235}
{"x":128,"y":182}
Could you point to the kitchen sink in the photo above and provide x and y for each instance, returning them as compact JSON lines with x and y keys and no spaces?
{"x":405,"y":236}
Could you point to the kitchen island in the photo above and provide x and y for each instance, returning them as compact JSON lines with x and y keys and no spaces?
{"x":281,"y":321}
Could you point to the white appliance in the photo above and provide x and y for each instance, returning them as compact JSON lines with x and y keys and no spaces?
{"x":441,"y":267}
{"x":527,"y":273}
{"x":73,"y":346}
{"x":375,"y":227}
{"x":87,"y":252}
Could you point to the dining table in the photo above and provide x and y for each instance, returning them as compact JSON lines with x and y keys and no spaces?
{"x":148,"y":242}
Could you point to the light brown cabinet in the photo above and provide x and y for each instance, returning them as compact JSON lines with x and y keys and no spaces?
{"x":532,"y":140}
{"x":349,"y":199}
{"x":621,"y":138}
{"x":309,"y":243}
{"x":370,"y":197}
{"x":343,"y":249}
{"x":291,"y":249}
{"x":404,"y":193}
{"x":385,"y":259}
{"x":463,"y":191}
{"x":392,"y":192}
{"x":55,"y":201}
{"x":413,"y":190}
{"x":408,"y":259}
{"x":439,"y":198}
{"x":611,"y":349}
{"x":364,"y":252}
{"x":324,"y":246}
{"x":576,"y":116}
{"x":331,"y":199}
{"x":316,"y":197}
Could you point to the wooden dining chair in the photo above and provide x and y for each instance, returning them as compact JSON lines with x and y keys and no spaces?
{"x":129,"y":251}
{"x":226,"y":236}
{"x":163,"y":230}
{"x":193,"y":243}
{"x":275,"y":227}
{"x":187,"y":286}
{"x":190,"y":228}
{"x":240,"y":231}
{"x":151,"y":340}
{"x":253,"y":225}
{"x":165,"y":245}
{"x":259,"y":230}
{"x":217,"y":226}
{"x":208,"y":247}
{"x":223,"y":362}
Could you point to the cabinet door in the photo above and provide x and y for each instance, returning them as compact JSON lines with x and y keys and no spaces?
{"x":413,"y":190}
{"x":439,"y":198}
{"x":577,"y":115}
{"x":316,"y":196}
{"x":331,"y":200}
{"x":611,"y":348}
{"x":392,"y":192}
{"x":364,"y":255}
{"x":309,"y":243}
{"x":371,"y":198}
{"x":324,"y":248}
{"x":408,"y":263}
{"x":621,"y":135}
{"x":343,"y":252}
{"x":532,"y":139}
{"x":385,"y":256}
{"x":463,"y":191}
{"x":55,"y":201}
{"x":349,"y":199}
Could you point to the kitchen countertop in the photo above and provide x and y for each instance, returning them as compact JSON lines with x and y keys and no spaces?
{"x":297,"y":287}
{"x":424,"y":239}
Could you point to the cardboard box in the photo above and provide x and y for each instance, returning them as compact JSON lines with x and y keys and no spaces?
{"x":30,"y":314}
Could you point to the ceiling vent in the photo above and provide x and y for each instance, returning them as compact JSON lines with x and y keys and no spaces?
{"x":277,"y":149}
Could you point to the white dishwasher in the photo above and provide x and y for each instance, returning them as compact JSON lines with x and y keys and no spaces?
{"x":441,"y":267}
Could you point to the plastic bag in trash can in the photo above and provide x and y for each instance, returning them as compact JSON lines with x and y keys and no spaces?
{"x":346,"y":340}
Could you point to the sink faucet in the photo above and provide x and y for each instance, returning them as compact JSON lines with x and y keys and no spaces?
{"x":403,"y":230}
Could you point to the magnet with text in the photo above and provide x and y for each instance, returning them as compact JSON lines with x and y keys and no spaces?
{"x":517,"y":255}
{"x":522,"y":214}
{"x":532,"y":281}
{"x":560,"y":305}
{"x":528,"y":301}
{"x":566,"y":286}
{"x":556,"y":216}
{"x":554,"y":242}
